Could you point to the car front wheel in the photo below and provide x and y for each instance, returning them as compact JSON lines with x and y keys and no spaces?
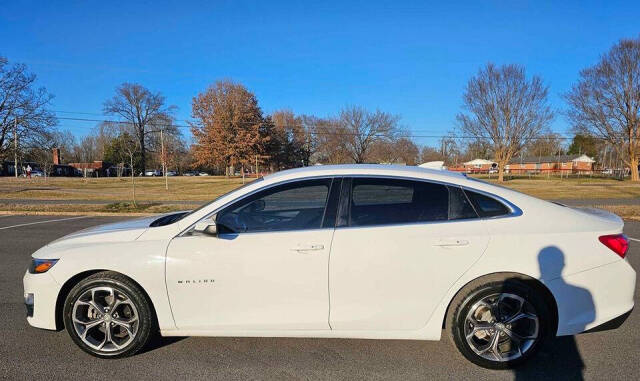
{"x":108,"y":315}
{"x":500,"y":324}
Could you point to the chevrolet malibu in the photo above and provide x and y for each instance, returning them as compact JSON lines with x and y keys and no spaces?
{"x":354,"y":251}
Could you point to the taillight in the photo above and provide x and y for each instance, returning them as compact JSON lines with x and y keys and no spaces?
{"x":616,"y":242}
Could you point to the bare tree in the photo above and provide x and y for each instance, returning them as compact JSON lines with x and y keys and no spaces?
{"x":474,"y":149}
{"x":327,"y":144}
{"x":122,"y":149}
{"x":545,"y":145}
{"x":428,"y":154}
{"x":131,"y":147}
{"x":606,"y":101}
{"x":290,"y":141}
{"x":396,"y":151}
{"x":450,"y":149}
{"x":506,"y":109}
{"x":361,"y":128}
{"x":92,"y":147}
{"x":140,"y":109}
{"x":21,"y":102}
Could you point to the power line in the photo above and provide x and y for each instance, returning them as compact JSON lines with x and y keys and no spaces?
{"x":96,"y":114}
{"x":317,"y":133}
{"x":165,"y":124}
{"x":429,"y":136}
{"x":560,"y":137}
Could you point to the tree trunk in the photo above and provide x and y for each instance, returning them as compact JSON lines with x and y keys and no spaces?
{"x":133,"y":182}
{"x":634,"y":168}
{"x":502,"y":162}
{"x":143,"y":153}
{"x":501,"y":174}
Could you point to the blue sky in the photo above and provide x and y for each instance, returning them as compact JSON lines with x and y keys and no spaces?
{"x":407,"y":58}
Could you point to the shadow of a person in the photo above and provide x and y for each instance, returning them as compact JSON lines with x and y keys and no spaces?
{"x":560,"y":357}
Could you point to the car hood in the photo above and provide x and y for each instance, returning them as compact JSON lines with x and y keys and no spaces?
{"x":123,"y":231}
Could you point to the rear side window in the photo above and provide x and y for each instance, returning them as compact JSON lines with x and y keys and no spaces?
{"x":377,"y":201}
{"x":381,"y":194}
{"x":487,"y":206}
{"x":460,"y":207}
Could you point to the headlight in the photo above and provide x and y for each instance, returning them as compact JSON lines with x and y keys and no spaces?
{"x":39,"y":266}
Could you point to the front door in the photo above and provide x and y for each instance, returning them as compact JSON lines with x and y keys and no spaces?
{"x":266,"y":270}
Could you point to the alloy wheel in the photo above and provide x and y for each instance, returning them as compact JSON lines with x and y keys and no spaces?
{"x":501,"y":327}
{"x":105,"y":319}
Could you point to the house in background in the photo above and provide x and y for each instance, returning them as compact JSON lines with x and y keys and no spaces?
{"x":97,"y":168}
{"x":560,"y":163}
{"x":59,"y":169}
{"x":479,"y":166}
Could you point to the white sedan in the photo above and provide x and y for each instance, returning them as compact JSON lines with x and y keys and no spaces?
{"x":353,"y":251}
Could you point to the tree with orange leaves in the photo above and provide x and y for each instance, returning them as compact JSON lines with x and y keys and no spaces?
{"x":228,"y":126}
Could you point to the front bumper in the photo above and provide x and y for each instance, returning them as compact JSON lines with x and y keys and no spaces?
{"x":594,"y":297}
{"x":44,"y":290}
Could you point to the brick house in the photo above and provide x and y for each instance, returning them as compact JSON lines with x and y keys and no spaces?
{"x":97,"y":168}
{"x":559,"y":163}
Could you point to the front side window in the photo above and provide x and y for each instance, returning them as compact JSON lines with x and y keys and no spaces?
{"x":379,"y":201}
{"x":294,"y":206}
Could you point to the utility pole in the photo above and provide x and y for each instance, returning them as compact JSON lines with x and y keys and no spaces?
{"x":257,"y":166}
{"x":15,"y":146}
{"x":164,"y":164}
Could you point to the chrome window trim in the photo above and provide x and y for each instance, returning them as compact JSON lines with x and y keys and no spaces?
{"x":515,"y":210}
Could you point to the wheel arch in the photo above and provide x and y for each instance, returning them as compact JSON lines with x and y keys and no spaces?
{"x":74,"y":280}
{"x":503,"y":276}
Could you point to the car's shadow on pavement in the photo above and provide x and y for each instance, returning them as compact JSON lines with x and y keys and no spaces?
{"x":559,"y":359}
{"x":158,"y":342}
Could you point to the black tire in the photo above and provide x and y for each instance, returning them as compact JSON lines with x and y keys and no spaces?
{"x":133,"y":302}
{"x":473,"y":295}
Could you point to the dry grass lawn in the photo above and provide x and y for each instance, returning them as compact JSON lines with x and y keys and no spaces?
{"x":575,"y":188}
{"x":148,"y":189}
{"x":152,"y":189}
{"x":153,"y":198}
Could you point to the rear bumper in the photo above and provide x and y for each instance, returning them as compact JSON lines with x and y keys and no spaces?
{"x":611,"y":324}
{"x":591,"y":298}
{"x":41,"y":304}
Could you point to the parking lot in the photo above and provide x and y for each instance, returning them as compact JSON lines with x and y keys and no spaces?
{"x":29,"y":353}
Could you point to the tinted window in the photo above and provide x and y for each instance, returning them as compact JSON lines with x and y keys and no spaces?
{"x":293,"y":206}
{"x":487,"y":206}
{"x":381,"y":194}
{"x":391,"y":201}
{"x":459,"y":205}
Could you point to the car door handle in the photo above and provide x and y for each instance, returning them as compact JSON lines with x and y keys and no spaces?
{"x":306,"y":248}
{"x":451,"y":243}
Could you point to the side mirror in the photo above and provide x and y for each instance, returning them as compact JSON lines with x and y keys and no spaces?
{"x":208,"y":227}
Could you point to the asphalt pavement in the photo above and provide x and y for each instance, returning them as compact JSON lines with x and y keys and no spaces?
{"x":30,"y":353}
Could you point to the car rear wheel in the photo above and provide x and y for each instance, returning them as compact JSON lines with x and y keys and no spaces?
{"x":499,"y":325}
{"x":107,"y":315}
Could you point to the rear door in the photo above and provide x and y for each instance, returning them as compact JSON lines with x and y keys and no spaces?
{"x":398,"y":247}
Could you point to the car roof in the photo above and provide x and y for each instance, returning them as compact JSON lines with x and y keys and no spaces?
{"x":368,"y":169}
